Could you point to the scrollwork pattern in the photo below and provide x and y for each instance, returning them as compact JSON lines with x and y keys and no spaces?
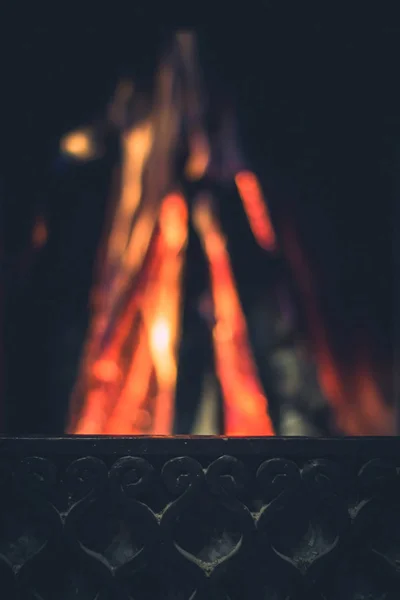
{"x":223,"y":526}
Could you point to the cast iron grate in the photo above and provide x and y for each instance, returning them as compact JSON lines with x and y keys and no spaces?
{"x":195,"y":518}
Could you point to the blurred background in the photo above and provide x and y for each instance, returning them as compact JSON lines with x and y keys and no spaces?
{"x":317,"y":119}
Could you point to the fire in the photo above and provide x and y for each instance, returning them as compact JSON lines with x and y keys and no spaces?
{"x":79,"y":145}
{"x":246,"y":406}
{"x":173,"y":221}
{"x":136,"y":147}
{"x":129,"y":367}
{"x":130,"y":415}
{"x":357,"y":403}
{"x":160,"y":336}
{"x":199,"y":158}
{"x":156,"y":302}
{"x":256,"y":209}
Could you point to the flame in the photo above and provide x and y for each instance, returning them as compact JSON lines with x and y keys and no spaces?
{"x":86,"y":395}
{"x":160,"y":336}
{"x":78,"y":144}
{"x":199,"y":157}
{"x":136,"y":147}
{"x":246,"y":406}
{"x":116,"y":408}
{"x":173,"y":221}
{"x":130,"y":363}
{"x":164,"y":314}
{"x":256,"y":209}
{"x":39,"y":233}
{"x":357,"y":403}
{"x":129,"y":416}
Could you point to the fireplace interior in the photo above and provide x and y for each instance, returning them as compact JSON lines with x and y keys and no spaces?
{"x":196,"y":237}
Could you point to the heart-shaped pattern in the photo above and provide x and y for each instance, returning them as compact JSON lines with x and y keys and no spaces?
{"x":288,"y":526}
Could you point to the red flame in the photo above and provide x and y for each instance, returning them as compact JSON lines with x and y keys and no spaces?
{"x":245,"y":404}
{"x":256,"y":209}
{"x":357,"y":403}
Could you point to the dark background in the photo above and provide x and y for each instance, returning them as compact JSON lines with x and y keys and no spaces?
{"x":316,"y":97}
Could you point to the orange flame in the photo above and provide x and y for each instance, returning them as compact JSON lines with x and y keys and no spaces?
{"x":129,"y":414}
{"x":162,"y":310}
{"x":119,"y":404}
{"x":130,"y":366}
{"x":199,"y":157}
{"x":246,"y":406}
{"x":131,"y":374}
{"x":79,"y":144}
{"x":256,"y":209}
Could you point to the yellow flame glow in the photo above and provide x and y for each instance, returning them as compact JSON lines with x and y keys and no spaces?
{"x":79,"y":145}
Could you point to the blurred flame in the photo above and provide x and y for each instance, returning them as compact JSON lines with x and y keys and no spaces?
{"x":173,"y":221}
{"x":160,"y":336}
{"x":106,"y":371}
{"x":129,"y":369}
{"x":116,"y":410}
{"x":199,"y":157}
{"x":256,"y":209}
{"x":164,"y":314}
{"x":127,"y":416}
{"x":357,"y":403}
{"x":130,"y":365}
{"x":79,"y":145}
{"x":246,"y":406}
{"x":39,"y":233}
{"x":136,"y":147}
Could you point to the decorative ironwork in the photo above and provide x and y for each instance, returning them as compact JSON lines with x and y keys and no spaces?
{"x":197,"y":518}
